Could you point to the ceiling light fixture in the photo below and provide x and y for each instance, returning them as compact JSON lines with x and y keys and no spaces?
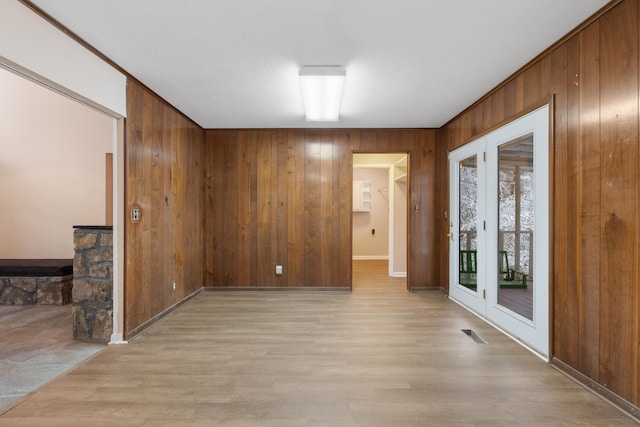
{"x":322,"y":92}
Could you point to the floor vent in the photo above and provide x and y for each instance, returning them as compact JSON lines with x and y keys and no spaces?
{"x":477,"y":338}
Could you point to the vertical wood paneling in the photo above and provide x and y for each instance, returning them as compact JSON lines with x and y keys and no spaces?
{"x":312,"y":242}
{"x":150,"y":296}
{"x":415,"y":217}
{"x":560,"y":244}
{"x":425,"y":144}
{"x":296,"y":191}
{"x":245,"y":239}
{"x":153,"y":136}
{"x":442,"y":214}
{"x":176,"y":245}
{"x":519,"y":93}
{"x":619,"y":255}
{"x":230,"y":220}
{"x":338,"y":203}
{"x":590,"y":206}
{"x":280,"y":236}
{"x":593,"y":79}
{"x":510,"y":96}
{"x":165,"y":180}
{"x":264,"y":199}
{"x":571,"y":204}
{"x":345,"y":175}
{"x":214,"y":219}
{"x":327,"y":244}
{"x":532,"y":82}
{"x":497,"y":107}
{"x":133,"y":244}
{"x":250,"y":211}
{"x":302,"y":200}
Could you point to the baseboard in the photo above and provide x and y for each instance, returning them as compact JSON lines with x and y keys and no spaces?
{"x":370,"y":258}
{"x":398,"y":274}
{"x":277,"y":288}
{"x":135,"y":331}
{"x":619,"y":402}
{"x":428,"y":289}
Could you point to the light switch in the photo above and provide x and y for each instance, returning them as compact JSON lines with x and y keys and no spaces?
{"x":278,"y":270}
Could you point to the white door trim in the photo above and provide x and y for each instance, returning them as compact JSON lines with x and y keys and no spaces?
{"x":535,"y":332}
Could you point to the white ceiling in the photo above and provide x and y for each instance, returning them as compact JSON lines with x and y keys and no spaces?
{"x":234,"y":63}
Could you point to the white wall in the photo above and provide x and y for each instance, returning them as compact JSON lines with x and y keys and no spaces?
{"x":52,"y":169}
{"x":41,"y":50}
{"x":365,"y":244}
{"x":400,"y":228}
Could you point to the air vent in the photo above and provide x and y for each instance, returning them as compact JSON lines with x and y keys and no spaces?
{"x":477,"y":338}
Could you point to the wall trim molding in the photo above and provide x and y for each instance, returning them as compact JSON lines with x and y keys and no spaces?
{"x":137,"y":330}
{"x":398,"y":274}
{"x":277,"y":288}
{"x":599,"y":390}
{"x":429,"y":289}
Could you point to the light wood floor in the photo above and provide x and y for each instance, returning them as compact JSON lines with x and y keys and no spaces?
{"x":378,"y":356}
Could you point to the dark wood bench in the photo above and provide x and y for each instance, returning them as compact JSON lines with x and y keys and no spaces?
{"x":468,"y":268}
{"x":36,"y":281}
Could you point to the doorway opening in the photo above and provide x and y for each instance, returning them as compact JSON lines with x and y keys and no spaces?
{"x":54,"y":178}
{"x":379,"y":217}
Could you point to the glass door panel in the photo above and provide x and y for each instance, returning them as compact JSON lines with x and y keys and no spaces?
{"x":467,"y":248}
{"x":515,"y":225}
{"x":468,"y":223}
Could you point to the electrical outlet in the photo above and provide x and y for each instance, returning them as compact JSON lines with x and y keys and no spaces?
{"x":135,"y":214}
{"x":174,"y":286}
{"x":278,"y":270}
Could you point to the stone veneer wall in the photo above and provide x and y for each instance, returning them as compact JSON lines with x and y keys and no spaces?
{"x":93,"y":284}
{"x":35,"y":290}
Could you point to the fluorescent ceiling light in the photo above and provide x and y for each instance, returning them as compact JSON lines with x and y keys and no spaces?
{"x":322,"y":92}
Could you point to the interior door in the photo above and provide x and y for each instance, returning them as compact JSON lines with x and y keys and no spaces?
{"x":500,"y":194}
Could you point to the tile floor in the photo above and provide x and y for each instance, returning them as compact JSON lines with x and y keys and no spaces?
{"x":36,"y":346}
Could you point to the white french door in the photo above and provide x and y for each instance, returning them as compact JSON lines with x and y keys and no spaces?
{"x":467,"y":260}
{"x":499,"y":228}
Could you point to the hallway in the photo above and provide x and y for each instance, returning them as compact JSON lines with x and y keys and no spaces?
{"x":379,"y":356}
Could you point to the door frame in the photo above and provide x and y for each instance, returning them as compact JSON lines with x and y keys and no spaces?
{"x":391,"y":217}
{"x":539,"y":122}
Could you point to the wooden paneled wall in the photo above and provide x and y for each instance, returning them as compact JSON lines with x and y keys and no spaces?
{"x":284,"y":197}
{"x":164,"y":178}
{"x":593,"y":79}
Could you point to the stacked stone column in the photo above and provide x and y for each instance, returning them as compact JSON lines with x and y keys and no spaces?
{"x":93,"y":284}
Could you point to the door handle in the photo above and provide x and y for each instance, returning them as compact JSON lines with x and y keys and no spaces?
{"x":450,"y":235}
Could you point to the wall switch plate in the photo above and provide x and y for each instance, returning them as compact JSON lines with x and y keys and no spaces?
{"x":278,"y":270}
{"x":174,"y":286}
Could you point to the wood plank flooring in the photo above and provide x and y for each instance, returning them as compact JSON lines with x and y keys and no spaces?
{"x":378,"y":356}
